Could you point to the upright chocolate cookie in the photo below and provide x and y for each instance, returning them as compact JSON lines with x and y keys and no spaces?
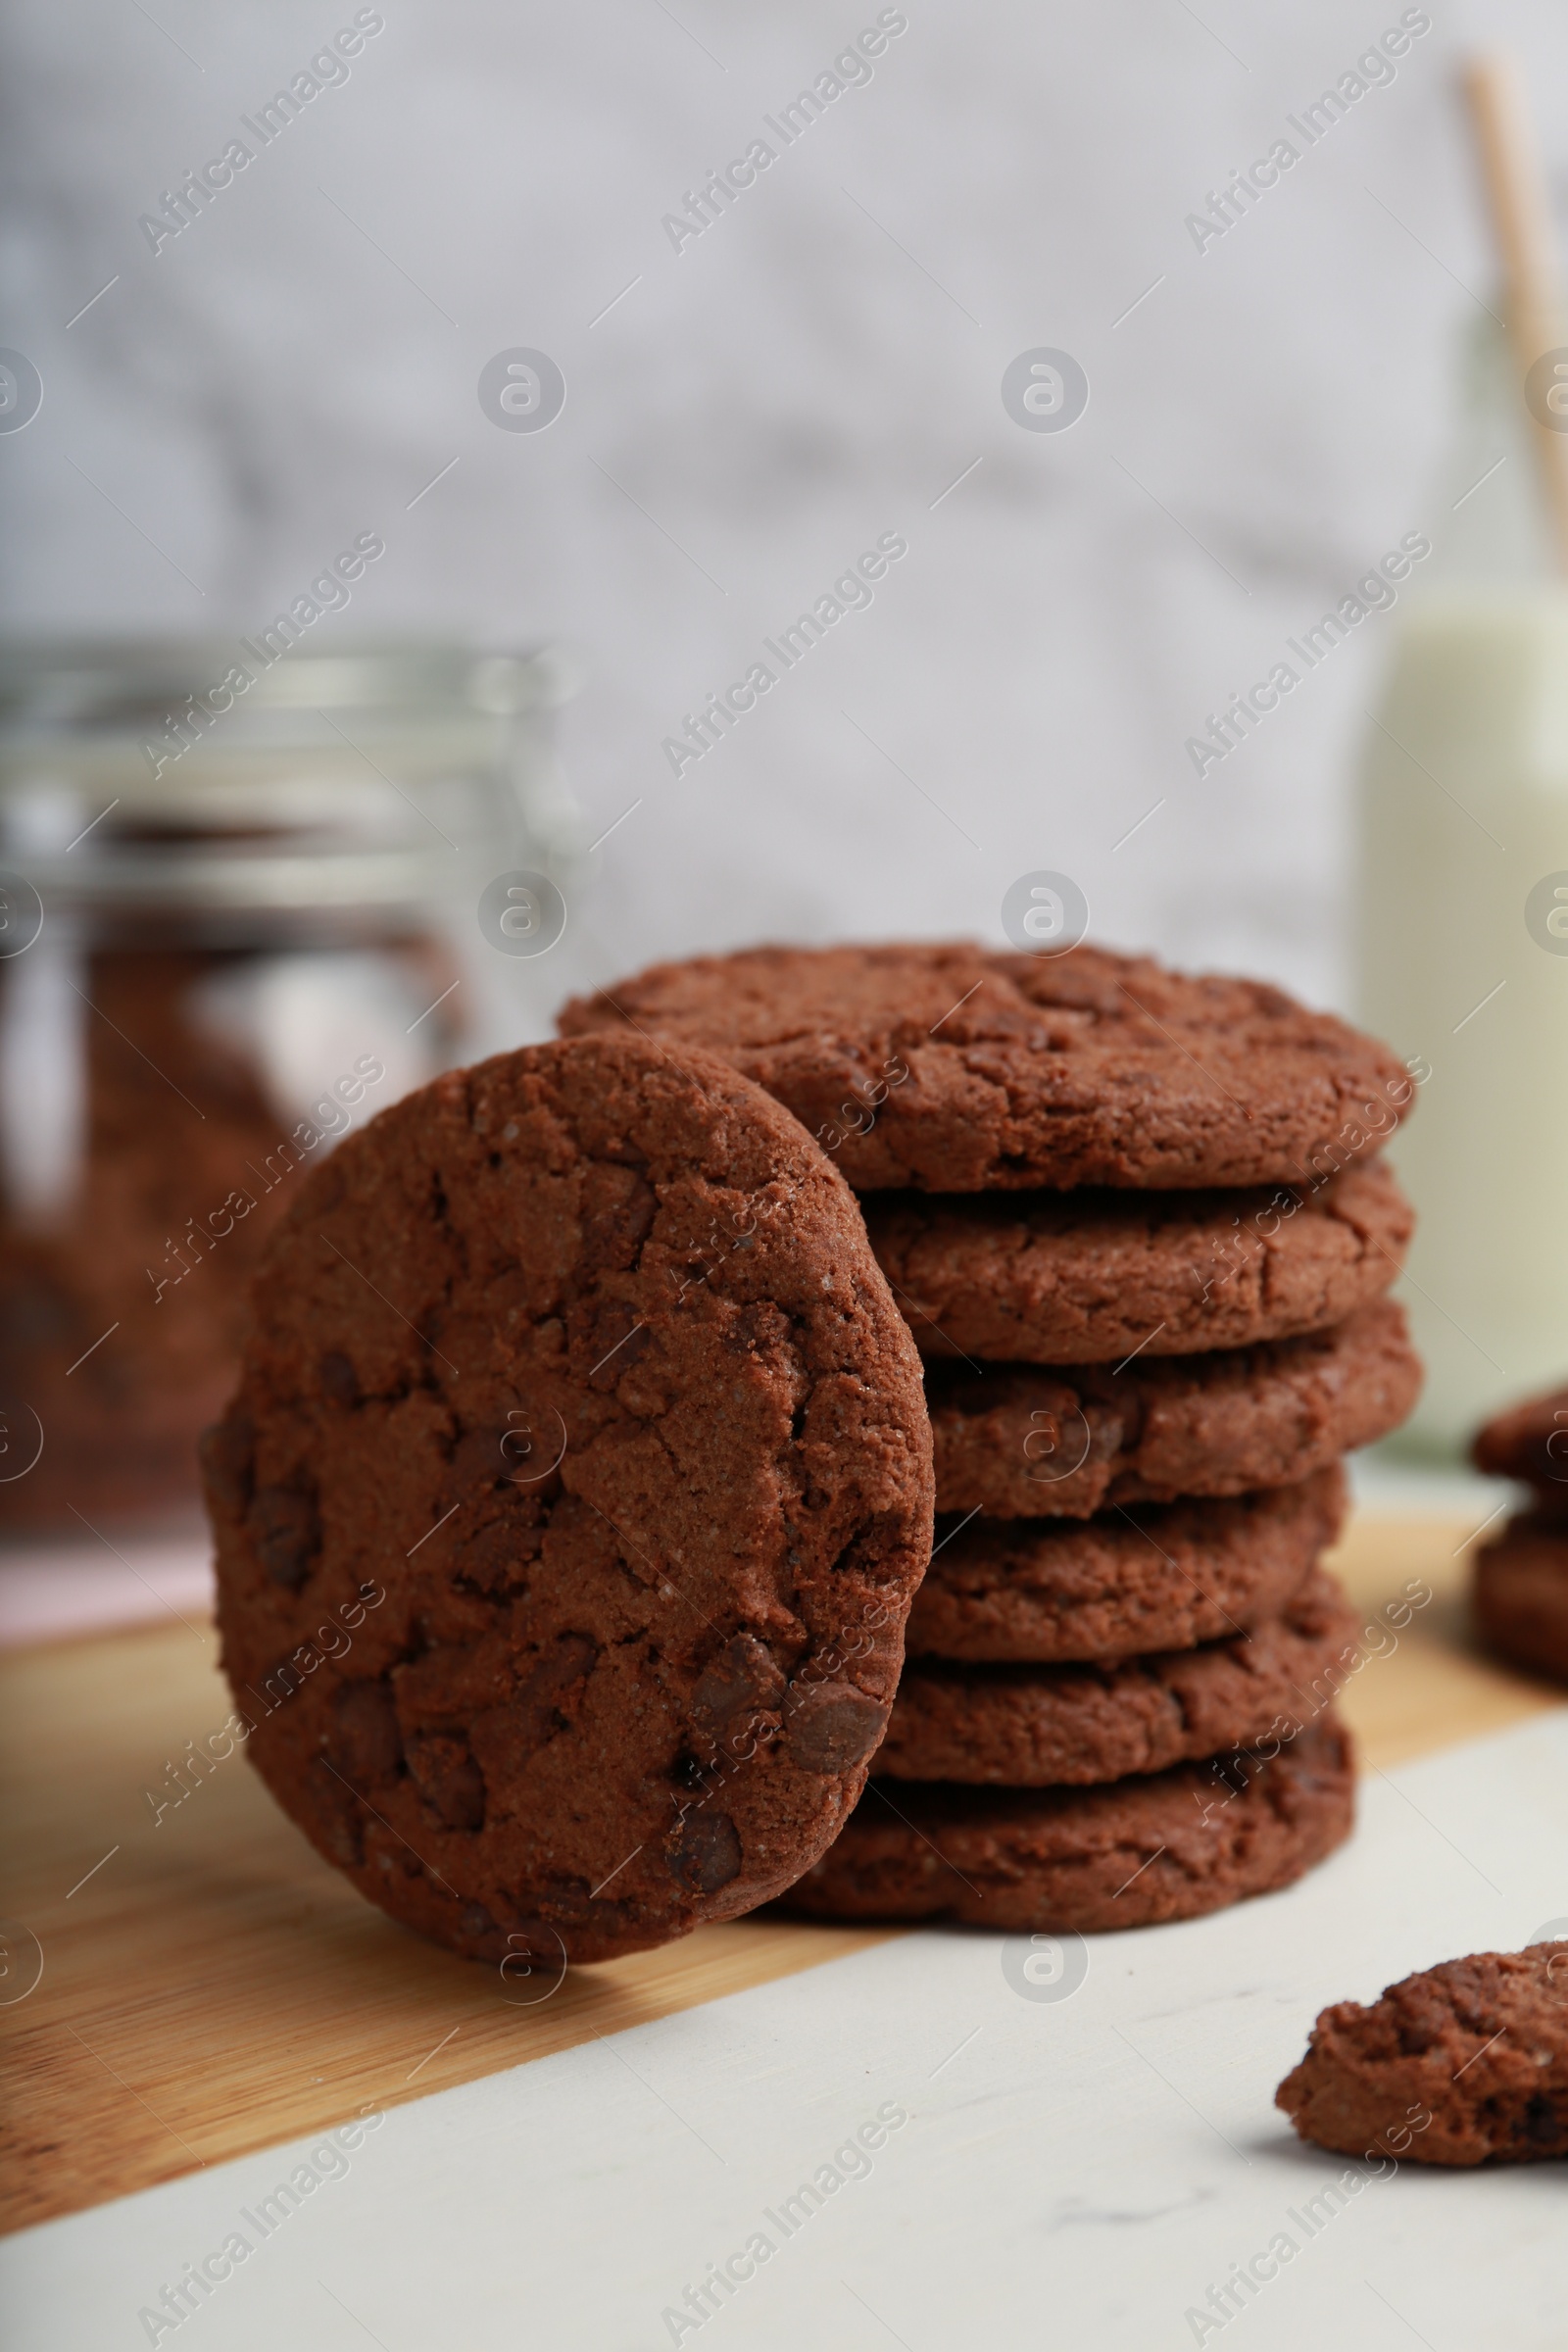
{"x":1035,"y":1727}
{"x":1530,"y":1442}
{"x":957,"y":1071}
{"x":1466,"y":2063}
{"x":1520,"y":1593}
{"x":1129,"y":1855}
{"x":1166,"y":1577}
{"x":575,"y":1376}
{"x":1023,"y":1443}
{"x":1086,"y":1278}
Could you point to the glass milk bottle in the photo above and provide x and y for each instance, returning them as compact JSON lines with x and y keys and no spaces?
{"x":1463,"y":940}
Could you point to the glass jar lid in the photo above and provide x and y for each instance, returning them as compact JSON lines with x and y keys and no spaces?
{"x":250,"y":775}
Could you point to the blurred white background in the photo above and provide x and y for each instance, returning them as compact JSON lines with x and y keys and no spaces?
{"x":814,"y":371}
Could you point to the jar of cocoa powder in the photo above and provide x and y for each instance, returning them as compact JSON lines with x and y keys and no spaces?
{"x":238,"y":883}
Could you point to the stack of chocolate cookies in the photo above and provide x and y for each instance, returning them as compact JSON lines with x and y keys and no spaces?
{"x":1137,"y":1226}
{"x":1521,"y":1577}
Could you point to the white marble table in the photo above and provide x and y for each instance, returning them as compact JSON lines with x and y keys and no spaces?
{"x":1081,"y":2170}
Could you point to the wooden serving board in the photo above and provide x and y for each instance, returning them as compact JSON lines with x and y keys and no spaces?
{"x":210,"y":1987}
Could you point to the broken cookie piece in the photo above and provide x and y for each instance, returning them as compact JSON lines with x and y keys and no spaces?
{"x":1466,"y":2063}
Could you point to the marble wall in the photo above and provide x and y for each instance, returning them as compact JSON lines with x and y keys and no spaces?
{"x":750,"y":407}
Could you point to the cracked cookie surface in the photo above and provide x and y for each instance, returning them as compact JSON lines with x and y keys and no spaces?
{"x":580,"y":1361}
{"x":1089,"y":1277}
{"x":954,"y":1069}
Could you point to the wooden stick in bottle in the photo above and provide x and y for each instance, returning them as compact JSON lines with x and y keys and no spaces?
{"x":1521,"y":221}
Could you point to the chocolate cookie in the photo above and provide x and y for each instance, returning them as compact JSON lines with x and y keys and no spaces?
{"x":1530,"y":1442}
{"x":575,"y":1375}
{"x":1085,"y":1278}
{"x":1033,"y":1727}
{"x":1166,"y":1577}
{"x":1129,"y":1855}
{"x":1466,"y":2063}
{"x":955,"y":1069}
{"x":1023,"y":1443}
{"x":1521,"y":1593}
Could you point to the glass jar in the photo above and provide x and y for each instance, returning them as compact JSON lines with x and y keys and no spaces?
{"x":238,"y":886}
